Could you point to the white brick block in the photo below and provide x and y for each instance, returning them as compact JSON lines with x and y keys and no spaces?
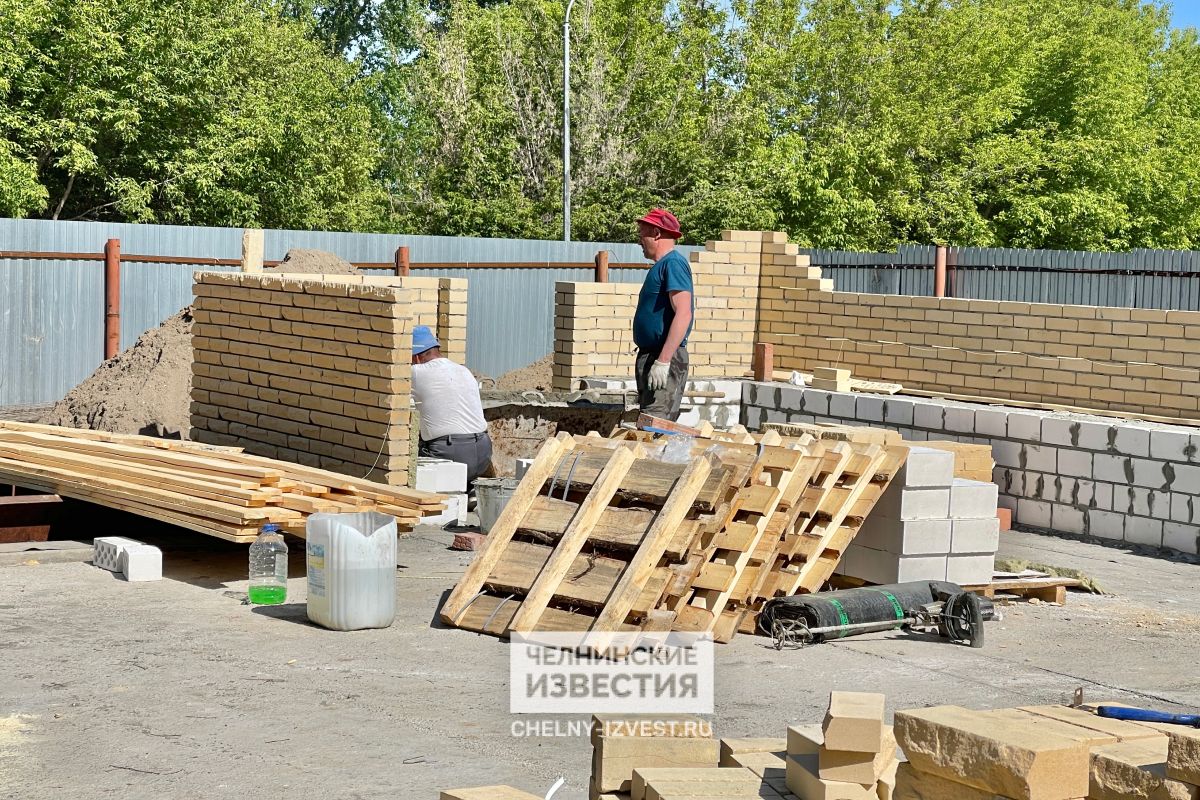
{"x":1035,"y":513}
{"x":1185,"y":538}
{"x":1061,"y":431}
{"x":930,"y":415}
{"x":869,"y":408}
{"x":1173,"y":444}
{"x":897,"y":411}
{"x":991,"y":422}
{"x":1132,"y":441}
{"x":1104,"y":496}
{"x":1152,"y":474}
{"x":911,"y":537}
{"x":975,"y":535}
{"x":920,"y":436}
{"x":816,"y":402}
{"x":1149,"y":503}
{"x":960,"y":419}
{"x":1082,"y":493}
{"x":455,"y":513}
{"x":1075,"y":462}
{"x":106,"y":551}
{"x":790,"y":398}
{"x":1068,"y":519}
{"x":141,"y":562}
{"x":441,"y":476}
{"x":752,"y":417}
{"x":972,"y":499}
{"x":915,"y":504}
{"x":1040,"y":458}
{"x":1143,"y":530}
{"x":1007,"y":454}
{"x":1095,"y":435}
{"x":878,"y":566}
{"x":1106,"y":524}
{"x":843,"y":405}
{"x":1025,"y":426}
{"x":969,"y":570}
{"x":1184,"y":478}
{"x":1112,"y":469}
{"x":926,"y":466}
{"x":1184,"y":508}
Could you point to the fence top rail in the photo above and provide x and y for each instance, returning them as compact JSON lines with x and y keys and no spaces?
{"x":27,"y":255}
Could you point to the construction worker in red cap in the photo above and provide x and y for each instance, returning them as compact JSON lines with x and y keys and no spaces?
{"x":663,"y":319}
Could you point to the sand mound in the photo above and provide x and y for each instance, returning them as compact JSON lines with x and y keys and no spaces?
{"x":146,"y":389}
{"x":302,"y":259}
{"x":537,"y":375}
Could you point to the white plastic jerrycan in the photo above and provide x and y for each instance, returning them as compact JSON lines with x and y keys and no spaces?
{"x":351,"y":570}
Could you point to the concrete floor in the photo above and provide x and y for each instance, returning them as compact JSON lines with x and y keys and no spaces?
{"x":175,"y":689}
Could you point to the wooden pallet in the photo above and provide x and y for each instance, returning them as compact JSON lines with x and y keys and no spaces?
{"x":1050,"y":589}
{"x":596,"y":559}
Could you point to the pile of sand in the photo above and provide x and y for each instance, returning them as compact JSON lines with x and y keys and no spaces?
{"x":539,"y":375}
{"x":147,"y":388}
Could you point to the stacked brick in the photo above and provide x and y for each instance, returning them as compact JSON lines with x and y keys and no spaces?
{"x":850,"y":756}
{"x":1138,"y":360}
{"x":928,"y":525}
{"x":1121,"y":480}
{"x":303,"y":368}
{"x":593,"y":321}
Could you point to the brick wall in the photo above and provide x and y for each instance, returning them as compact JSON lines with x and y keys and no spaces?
{"x":440,"y":303}
{"x":1133,"y":360}
{"x":306,"y":368}
{"x":593,"y":321}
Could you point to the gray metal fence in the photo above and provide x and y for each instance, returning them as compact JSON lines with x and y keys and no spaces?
{"x":51,"y":311}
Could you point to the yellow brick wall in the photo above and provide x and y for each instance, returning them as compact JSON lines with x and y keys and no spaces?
{"x":306,"y":368}
{"x":593,"y":321}
{"x":1133,"y":360}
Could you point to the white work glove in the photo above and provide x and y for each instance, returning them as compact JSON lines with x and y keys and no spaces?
{"x":658,"y":376}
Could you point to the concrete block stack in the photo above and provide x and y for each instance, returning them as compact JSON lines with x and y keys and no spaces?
{"x":447,"y":478}
{"x":312,"y":369}
{"x":928,"y":525}
{"x":1116,"y":479}
{"x":851,"y":756}
{"x":622,"y":744}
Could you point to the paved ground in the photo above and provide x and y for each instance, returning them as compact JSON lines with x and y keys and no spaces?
{"x":175,"y":689}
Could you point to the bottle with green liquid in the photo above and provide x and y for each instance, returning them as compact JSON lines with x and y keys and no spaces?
{"x":268,"y":567}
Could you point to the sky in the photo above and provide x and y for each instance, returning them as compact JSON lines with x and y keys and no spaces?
{"x":1185,"y":13}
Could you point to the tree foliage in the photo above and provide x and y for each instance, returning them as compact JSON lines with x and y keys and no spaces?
{"x":858,"y":124}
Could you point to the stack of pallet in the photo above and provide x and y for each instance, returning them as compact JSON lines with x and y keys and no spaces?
{"x":1045,"y":752}
{"x":635,"y":543}
{"x":219,"y":491}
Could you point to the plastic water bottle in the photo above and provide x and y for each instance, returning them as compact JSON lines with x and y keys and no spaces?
{"x":268,"y":567}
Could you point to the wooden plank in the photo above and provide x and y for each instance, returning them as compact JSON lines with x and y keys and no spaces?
{"x":589,"y":582}
{"x":502,"y":531}
{"x":716,"y":577}
{"x":648,"y":481}
{"x":736,"y":536}
{"x":573,"y":539}
{"x":760,"y":499}
{"x":618,"y":528}
{"x":645,"y":561}
{"x":494,"y":615}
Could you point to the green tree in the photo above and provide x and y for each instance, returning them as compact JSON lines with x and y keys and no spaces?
{"x":198,"y":112}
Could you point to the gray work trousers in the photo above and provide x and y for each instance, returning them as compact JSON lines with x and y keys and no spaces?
{"x":472,"y":449}
{"x":665,"y":402}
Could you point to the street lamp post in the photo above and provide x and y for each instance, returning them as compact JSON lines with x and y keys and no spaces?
{"x":566,"y":125}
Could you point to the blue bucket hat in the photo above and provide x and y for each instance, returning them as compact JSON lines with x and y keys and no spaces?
{"x":423,"y":339}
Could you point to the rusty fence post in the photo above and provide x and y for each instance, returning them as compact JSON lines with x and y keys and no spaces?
{"x":402,"y":264}
{"x":602,"y":266}
{"x":764,"y":361}
{"x":112,"y":298}
{"x":939,"y":271}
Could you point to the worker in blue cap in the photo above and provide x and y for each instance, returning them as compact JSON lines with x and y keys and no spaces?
{"x":447,"y":397}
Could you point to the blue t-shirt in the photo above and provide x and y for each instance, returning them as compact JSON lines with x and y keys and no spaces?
{"x":654,"y":314}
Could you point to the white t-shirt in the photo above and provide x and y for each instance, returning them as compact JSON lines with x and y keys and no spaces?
{"x":447,"y":395}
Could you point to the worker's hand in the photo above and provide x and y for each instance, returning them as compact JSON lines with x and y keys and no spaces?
{"x":658,"y":376}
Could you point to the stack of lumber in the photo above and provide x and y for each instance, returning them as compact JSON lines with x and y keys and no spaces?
{"x":1045,"y":752}
{"x":219,"y":491}
{"x":638,"y":544}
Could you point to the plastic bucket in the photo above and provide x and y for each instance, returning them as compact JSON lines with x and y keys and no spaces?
{"x":491,"y":496}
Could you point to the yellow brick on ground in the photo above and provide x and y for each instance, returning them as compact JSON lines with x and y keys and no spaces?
{"x":852,"y":767}
{"x":1120,"y":729}
{"x":886,"y":788}
{"x":771,"y":767}
{"x":804,"y":740}
{"x":614,"y":758}
{"x":764,"y":745}
{"x":854,"y":722}
{"x":914,"y":785}
{"x":489,"y":793}
{"x":1136,"y":769}
{"x":712,"y":780}
{"x":803,"y":781}
{"x":1012,"y":759}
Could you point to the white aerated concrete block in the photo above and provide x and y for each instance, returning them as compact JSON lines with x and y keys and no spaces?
{"x":869,"y":408}
{"x":1068,"y":519}
{"x":1143,"y":530}
{"x":441,"y":476}
{"x":1172,"y":445}
{"x":1106,"y":524}
{"x":960,"y":419}
{"x":1061,"y":431}
{"x":843,"y":405}
{"x":1132,"y":441}
{"x":1040,"y":458}
{"x":816,"y":402}
{"x":878,"y":566}
{"x":897,"y":411}
{"x":455,"y":513}
{"x":914,"y":504}
{"x":106,"y":552}
{"x":1185,"y":538}
{"x":141,"y":562}
{"x":992,"y":422}
{"x":972,"y":499}
{"x":968,"y":570}
{"x":1025,"y":425}
{"x":906,"y":537}
{"x":930,"y":414}
{"x":975,"y":535}
{"x":926,"y":467}
{"x":1035,"y":513}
